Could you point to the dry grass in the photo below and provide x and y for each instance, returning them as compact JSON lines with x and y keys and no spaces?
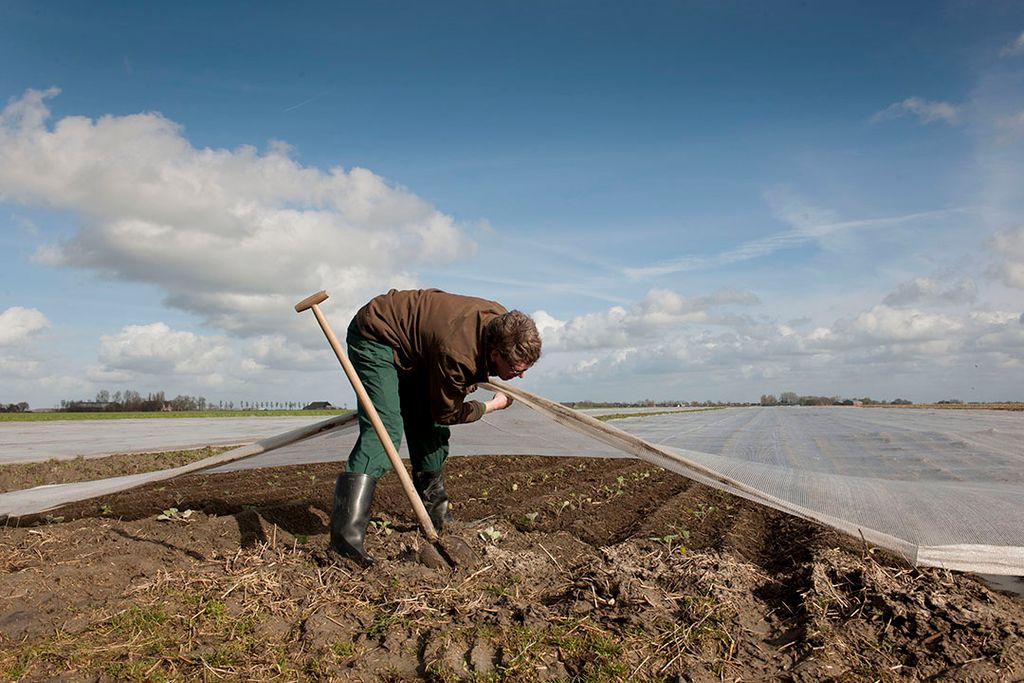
{"x":601,"y":591}
{"x":274,"y":612}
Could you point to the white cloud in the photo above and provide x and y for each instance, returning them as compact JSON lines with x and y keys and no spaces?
{"x":999,"y":331}
{"x":884,"y":325}
{"x":619,"y":327}
{"x":236,"y":236}
{"x":1013,"y":124}
{"x":1009,"y":248}
{"x":18,"y":324}
{"x":31,"y":367}
{"x":929,"y":291}
{"x":19,"y":368}
{"x":1009,"y":129}
{"x":584,"y":365}
{"x":156,"y":349}
{"x":924,"y":110}
{"x":1014,"y":48}
{"x":882,"y":351}
{"x":277,"y":353}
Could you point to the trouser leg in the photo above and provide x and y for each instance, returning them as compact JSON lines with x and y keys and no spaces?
{"x":353,"y":492}
{"x":428,"y":449}
{"x":375,"y":365}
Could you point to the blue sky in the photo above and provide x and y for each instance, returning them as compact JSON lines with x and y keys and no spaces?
{"x":696,"y":200}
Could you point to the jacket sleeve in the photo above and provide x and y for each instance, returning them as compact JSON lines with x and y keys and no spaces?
{"x":449,"y":382}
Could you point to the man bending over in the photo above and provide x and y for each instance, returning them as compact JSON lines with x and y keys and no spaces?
{"x":419,"y":353}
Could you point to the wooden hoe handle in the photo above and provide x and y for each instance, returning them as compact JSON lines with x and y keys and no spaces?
{"x":371,"y":412}
{"x":311,"y":300}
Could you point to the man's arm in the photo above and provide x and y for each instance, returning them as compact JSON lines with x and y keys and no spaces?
{"x":499,"y":401}
{"x":447,"y":394}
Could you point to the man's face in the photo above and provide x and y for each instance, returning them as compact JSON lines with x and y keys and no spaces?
{"x":505,"y":370}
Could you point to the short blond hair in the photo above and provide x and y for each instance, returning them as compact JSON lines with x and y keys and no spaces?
{"x":514,"y":335}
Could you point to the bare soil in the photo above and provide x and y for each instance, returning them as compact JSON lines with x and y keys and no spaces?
{"x":580,"y":569}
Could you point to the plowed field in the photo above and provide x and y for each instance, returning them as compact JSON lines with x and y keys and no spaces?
{"x":581,"y":569}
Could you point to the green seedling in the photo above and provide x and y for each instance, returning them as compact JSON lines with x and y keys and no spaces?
{"x":702,"y":511}
{"x":382,"y":526}
{"x":174,"y":515}
{"x":105,"y":509}
{"x":490,"y":535}
{"x":580,"y":500}
{"x":670,"y":541}
{"x":531,"y":518}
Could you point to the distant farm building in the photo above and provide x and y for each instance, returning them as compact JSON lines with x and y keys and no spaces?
{"x":320,"y":405}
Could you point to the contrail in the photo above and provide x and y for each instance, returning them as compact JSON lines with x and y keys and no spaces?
{"x":305,"y":102}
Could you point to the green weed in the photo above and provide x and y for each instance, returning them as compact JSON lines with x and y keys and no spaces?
{"x":138,"y":621}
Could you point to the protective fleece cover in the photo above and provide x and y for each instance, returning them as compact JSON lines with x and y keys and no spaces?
{"x":942,"y":488}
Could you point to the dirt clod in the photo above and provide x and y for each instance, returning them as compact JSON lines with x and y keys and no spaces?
{"x":430,"y":557}
{"x":459,"y":553}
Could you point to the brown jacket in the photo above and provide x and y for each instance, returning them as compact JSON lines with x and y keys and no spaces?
{"x":437,"y":334}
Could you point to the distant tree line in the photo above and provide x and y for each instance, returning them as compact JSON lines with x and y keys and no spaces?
{"x":133,"y":401}
{"x":650,"y":403}
{"x":14,"y":407}
{"x":790,"y":398}
{"x":130,"y":400}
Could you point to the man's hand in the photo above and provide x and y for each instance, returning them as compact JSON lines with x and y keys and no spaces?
{"x":499,"y":401}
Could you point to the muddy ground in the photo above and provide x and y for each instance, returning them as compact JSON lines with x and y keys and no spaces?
{"x":586,"y":570}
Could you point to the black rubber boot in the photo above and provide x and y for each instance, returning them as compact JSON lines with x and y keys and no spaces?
{"x":430,"y":486}
{"x":351,"y":514}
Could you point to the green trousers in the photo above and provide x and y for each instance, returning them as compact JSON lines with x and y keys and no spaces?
{"x":403,"y":404}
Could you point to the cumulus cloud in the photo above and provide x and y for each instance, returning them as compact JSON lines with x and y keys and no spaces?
{"x":275,"y":352}
{"x":1014,"y":48}
{"x":619,"y":327}
{"x":1009,"y":248}
{"x":30,"y":367}
{"x":156,"y":349}
{"x":924,"y":110}
{"x":999,"y":331}
{"x":929,"y":291}
{"x":235,"y":236}
{"x":688,"y":349}
{"x":884,"y":324}
{"x":18,"y":324}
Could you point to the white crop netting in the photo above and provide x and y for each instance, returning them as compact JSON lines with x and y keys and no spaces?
{"x":942,"y":488}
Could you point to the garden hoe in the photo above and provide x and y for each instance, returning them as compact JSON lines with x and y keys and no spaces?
{"x":460,"y":552}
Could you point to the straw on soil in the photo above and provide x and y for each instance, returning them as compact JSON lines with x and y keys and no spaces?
{"x":585,"y":570}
